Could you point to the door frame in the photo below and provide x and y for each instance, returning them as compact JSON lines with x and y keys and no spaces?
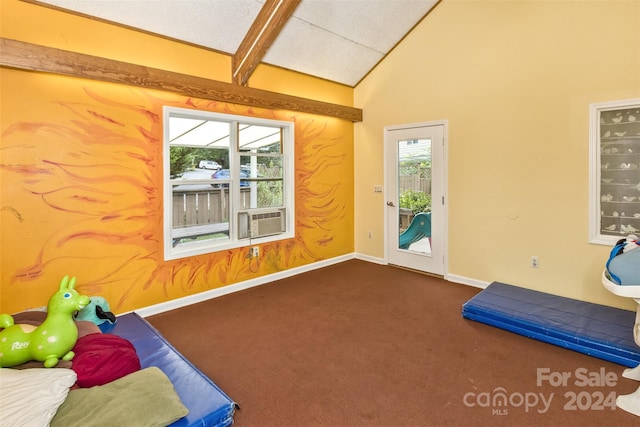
{"x":445,"y":202}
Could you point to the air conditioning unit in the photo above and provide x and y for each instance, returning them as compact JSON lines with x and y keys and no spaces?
{"x":262,"y":223}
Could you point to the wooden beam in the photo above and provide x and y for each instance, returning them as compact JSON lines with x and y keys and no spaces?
{"x":264,"y":30}
{"x":33,"y":57}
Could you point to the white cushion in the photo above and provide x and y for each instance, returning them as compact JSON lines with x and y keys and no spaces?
{"x":31,"y":397}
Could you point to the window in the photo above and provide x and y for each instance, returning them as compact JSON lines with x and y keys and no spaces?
{"x":614,"y":170}
{"x":228,"y":181}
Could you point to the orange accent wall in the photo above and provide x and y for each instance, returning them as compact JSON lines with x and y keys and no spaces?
{"x":81,"y":194}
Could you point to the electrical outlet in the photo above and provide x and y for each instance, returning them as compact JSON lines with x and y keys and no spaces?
{"x":254,"y":252}
{"x":371,"y":234}
{"x":535,"y":262}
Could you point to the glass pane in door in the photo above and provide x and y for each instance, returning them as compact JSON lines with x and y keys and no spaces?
{"x":414,"y":195}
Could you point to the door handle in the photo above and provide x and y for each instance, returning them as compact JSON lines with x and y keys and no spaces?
{"x":391,"y":204}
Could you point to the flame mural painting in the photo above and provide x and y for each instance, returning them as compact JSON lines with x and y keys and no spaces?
{"x":81,"y":193}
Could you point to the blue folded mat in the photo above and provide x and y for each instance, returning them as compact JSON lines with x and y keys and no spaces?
{"x":593,"y":329}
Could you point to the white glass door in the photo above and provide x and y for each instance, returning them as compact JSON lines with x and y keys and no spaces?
{"x":415,"y":196}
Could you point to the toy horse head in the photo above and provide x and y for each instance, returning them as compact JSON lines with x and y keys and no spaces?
{"x":67,"y":300}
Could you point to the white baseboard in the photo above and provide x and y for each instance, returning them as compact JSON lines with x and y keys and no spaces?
{"x":466,"y":281}
{"x":225,"y":290}
{"x":369,"y":258}
{"x":448,"y":277}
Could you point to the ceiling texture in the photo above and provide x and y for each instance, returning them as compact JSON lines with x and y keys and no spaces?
{"x":337,"y":40}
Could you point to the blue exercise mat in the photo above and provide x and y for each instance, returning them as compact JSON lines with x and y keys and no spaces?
{"x":208,"y":405}
{"x":592,"y":329}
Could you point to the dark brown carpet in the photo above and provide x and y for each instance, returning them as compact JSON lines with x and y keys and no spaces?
{"x":361,"y":344}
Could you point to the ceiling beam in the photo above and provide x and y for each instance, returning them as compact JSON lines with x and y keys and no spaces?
{"x":32,"y":57}
{"x":264,"y":30}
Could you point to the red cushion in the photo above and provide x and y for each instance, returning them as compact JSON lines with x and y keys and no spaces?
{"x":102,"y":358}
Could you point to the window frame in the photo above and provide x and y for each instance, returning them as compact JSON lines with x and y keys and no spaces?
{"x":596,"y":208}
{"x":210,"y":245}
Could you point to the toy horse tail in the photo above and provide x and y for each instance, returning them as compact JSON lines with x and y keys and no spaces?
{"x":6,"y":320}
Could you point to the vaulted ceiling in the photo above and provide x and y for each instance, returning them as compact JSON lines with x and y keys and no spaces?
{"x":337,"y":40}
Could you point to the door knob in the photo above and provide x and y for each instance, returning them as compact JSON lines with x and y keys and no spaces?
{"x":391,"y":204}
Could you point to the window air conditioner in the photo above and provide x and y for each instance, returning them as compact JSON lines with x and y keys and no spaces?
{"x":261,"y":223}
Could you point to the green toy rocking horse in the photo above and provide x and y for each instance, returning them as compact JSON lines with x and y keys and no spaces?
{"x":49,"y":342}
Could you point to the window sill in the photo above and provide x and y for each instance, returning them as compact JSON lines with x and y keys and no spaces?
{"x":204,"y":248}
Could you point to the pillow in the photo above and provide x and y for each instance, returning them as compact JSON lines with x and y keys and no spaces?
{"x":30,"y":317}
{"x":143,"y":398}
{"x":102,"y":358}
{"x":31,"y":397}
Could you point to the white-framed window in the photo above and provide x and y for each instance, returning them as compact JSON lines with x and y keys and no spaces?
{"x":228,"y":181}
{"x":614,"y":167}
